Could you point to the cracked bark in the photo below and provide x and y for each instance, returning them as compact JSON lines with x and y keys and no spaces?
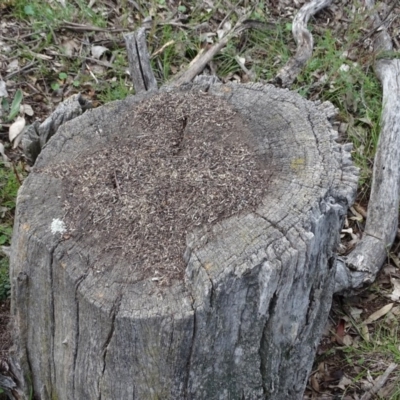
{"x":246,"y":319}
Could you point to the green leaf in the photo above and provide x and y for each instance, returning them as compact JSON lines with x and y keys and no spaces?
{"x":55,"y":86}
{"x":76,"y":83}
{"x":15,"y":104}
{"x":182,"y":9}
{"x":28,"y":9}
{"x":62,"y":75}
{"x":5,"y":105}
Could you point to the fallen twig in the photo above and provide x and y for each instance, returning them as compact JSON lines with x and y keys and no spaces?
{"x":379,"y":383}
{"x":202,"y":59}
{"x":89,"y":28}
{"x":304,"y":41}
{"x":25,"y":68}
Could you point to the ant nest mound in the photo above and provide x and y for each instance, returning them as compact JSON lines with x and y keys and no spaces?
{"x":186,"y":162}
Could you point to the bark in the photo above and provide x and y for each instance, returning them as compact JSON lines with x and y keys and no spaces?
{"x":245,"y":320}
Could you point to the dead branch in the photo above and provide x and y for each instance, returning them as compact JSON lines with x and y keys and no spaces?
{"x":304,"y":41}
{"x":203,"y":58}
{"x":362,"y":265}
{"x":379,"y":383}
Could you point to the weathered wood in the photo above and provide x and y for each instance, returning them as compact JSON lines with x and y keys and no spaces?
{"x":304,"y":40}
{"x":245,"y":319}
{"x":360,"y":268}
{"x":139,"y":61}
{"x":38,"y":134}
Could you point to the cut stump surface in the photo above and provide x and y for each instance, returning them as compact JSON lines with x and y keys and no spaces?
{"x":180,"y":245}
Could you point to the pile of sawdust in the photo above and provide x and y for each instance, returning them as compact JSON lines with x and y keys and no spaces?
{"x":185,"y":162}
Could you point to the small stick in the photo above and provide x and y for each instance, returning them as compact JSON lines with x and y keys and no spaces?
{"x":88,"y":28}
{"x":16,"y":174}
{"x":379,"y":382}
{"x":204,"y":58}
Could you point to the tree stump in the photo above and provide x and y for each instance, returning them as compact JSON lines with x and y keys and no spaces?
{"x":180,"y":244}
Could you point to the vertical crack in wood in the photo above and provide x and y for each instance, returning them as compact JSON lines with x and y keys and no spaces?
{"x":263,"y":350}
{"x":24,"y":378}
{"x":52,"y":363}
{"x":113,"y":313}
{"x":139,"y":62}
{"x":189,"y":361}
{"x":77,"y":326}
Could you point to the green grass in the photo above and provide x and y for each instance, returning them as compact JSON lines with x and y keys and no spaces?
{"x":373,"y":355}
{"x":9,"y":185}
{"x":353,"y":88}
{"x":5,"y":287}
{"x":48,"y":15}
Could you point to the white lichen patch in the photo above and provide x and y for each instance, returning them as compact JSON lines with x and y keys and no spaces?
{"x":58,"y":226}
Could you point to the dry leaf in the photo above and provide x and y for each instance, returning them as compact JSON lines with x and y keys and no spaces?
{"x":314,"y":383}
{"x":356,"y":312}
{"x":396,"y":311}
{"x":98,"y":51}
{"x":225,"y":29}
{"x":13,"y":66}
{"x":357,"y":215}
{"x":16,"y":128}
{"x":3,"y":89}
{"x":26,"y":109}
{"x":365,"y":333}
{"x":347,"y":340}
{"x":344,"y":68}
{"x":6,"y":162}
{"x":378,"y":314}
{"x":395,"y":295}
{"x":389,"y":269}
{"x":6,"y":250}
{"x":69,"y":47}
{"x":2,"y":152}
{"x":360,"y":209}
{"x":395,"y":259}
{"x":344,"y":382}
